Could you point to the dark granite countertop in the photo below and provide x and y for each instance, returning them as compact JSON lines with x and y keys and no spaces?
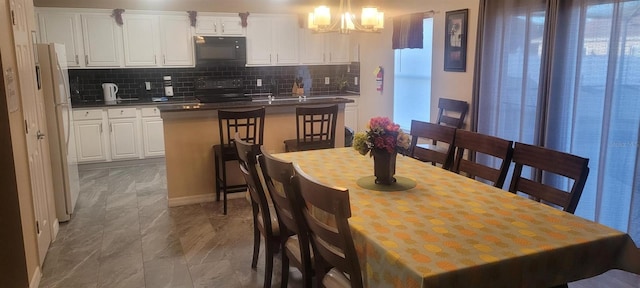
{"x":261,"y":99}
{"x":278,"y":102}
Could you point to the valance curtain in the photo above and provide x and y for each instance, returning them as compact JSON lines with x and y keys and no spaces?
{"x":407,"y":31}
{"x":565,"y":74}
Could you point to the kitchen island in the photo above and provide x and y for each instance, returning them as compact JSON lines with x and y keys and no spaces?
{"x":191,"y":130}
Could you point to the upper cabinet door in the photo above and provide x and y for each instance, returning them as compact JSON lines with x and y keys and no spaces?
{"x":176,"y":41}
{"x":311,"y":47}
{"x":101,"y":37}
{"x":63,"y":28}
{"x":140,"y":40}
{"x":285,"y":40}
{"x":231,"y":26}
{"x":259,"y":41}
{"x":337,"y":46}
{"x":219,"y":25}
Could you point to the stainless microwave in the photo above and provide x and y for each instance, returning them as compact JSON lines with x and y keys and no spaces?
{"x":213,"y":50}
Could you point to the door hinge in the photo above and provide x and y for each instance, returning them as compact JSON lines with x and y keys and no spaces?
{"x":26,"y":127}
{"x":13,"y":18}
{"x":37,"y":227}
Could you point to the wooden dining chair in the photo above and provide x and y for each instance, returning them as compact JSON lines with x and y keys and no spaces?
{"x":440,"y":150}
{"x":265,"y":221}
{"x":478,"y":144}
{"x":327,"y":210}
{"x":250,"y":125}
{"x":452,"y":112}
{"x":549,"y":162}
{"x":296,"y":248}
{"x":315,"y":129}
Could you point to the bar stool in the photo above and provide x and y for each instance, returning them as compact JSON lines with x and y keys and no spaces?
{"x":250,"y":126}
{"x":315,"y":129}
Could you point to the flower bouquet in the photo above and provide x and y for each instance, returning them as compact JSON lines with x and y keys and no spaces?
{"x":383,"y":140}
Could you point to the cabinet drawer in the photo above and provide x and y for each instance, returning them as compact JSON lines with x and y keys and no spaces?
{"x":150,"y":112}
{"x":94,"y":114}
{"x":122,"y":113}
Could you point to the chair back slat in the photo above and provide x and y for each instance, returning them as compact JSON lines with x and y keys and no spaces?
{"x":482,"y":144}
{"x":327,"y":210}
{"x":247,"y":158}
{"x":248,"y":124}
{"x":438,"y":134}
{"x":446,"y":109}
{"x":547,"y":161}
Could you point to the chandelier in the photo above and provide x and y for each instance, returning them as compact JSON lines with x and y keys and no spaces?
{"x":321,"y":20}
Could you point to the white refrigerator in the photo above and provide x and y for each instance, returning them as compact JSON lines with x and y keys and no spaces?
{"x":54,"y":82}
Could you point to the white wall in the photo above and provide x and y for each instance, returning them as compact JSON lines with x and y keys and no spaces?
{"x":375,"y":50}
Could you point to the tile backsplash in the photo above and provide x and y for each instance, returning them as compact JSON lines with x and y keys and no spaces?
{"x":86,"y":84}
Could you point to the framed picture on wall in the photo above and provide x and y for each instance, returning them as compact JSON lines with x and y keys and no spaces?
{"x":455,"y":41}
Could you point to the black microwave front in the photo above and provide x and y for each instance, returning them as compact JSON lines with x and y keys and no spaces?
{"x":212,"y":50}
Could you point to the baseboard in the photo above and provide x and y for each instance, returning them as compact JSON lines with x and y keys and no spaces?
{"x":197,"y":199}
{"x":35,"y":280}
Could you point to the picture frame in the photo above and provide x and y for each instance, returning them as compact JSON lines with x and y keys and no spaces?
{"x":455,"y":40}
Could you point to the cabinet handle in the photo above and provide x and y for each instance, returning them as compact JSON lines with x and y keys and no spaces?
{"x":86,"y":114}
{"x":110,"y":127}
{"x":269,"y":58}
{"x":86,"y":59}
{"x":121,"y":112}
{"x":100,"y":128}
{"x":215,"y":27}
{"x":222,"y":28}
{"x":277,"y":58}
{"x":77,"y":60}
{"x":164,"y":59}
{"x":324,"y":57}
{"x":330,"y":57}
{"x":155,"y":59}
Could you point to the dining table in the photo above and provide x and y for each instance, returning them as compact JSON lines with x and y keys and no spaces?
{"x":436,"y":228}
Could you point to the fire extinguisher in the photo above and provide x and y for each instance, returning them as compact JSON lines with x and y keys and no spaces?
{"x":380,"y":79}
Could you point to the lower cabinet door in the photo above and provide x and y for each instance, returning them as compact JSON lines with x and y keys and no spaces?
{"x":124,"y":138}
{"x":90,"y":141}
{"x":153,"y":134}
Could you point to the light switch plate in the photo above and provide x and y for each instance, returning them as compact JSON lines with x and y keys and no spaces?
{"x":326,"y":80}
{"x":259,"y":83}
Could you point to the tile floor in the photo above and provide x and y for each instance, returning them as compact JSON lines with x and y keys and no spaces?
{"x":123,"y":235}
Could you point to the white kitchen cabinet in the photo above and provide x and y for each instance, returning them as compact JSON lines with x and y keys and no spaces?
{"x":90,"y":134}
{"x":272,"y":40}
{"x":152,"y":132}
{"x":323,"y":48}
{"x":176,"y":41}
{"x":140,"y":44}
{"x":123,"y":132}
{"x":219,"y":25}
{"x":64,"y":28}
{"x":337,"y":46}
{"x":102,"y":40}
{"x":351,"y":115}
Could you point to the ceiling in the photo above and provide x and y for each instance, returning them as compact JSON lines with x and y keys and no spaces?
{"x":390,"y":7}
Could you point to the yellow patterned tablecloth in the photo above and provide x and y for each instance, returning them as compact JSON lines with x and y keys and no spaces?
{"x":452,"y":231}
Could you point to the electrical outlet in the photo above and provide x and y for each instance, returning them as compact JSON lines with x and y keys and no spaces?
{"x":259,"y":83}
{"x":355,"y":80}
{"x":326,"y":80}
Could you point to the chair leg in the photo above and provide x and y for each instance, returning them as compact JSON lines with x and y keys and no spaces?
{"x":307,"y":276}
{"x":224,"y":186}
{"x":285,"y":268}
{"x":217,"y":166}
{"x":256,"y":245}
{"x":268,"y":263}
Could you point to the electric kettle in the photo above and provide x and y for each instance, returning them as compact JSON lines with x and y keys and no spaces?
{"x":109,"y":90}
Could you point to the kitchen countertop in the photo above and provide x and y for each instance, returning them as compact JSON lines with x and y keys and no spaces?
{"x":278,"y":102}
{"x":258,"y":100}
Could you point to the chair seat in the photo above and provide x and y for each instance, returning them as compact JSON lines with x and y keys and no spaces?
{"x":335,"y":279}
{"x":293,"y":246}
{"x":274,"y":221}
{"x":291,"y":145}
{"x":229,"y":152}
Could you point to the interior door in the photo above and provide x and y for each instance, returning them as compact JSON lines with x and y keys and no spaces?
{"x":37,"y":168}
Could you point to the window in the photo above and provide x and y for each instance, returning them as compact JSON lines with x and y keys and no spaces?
{"x":412,"y":81}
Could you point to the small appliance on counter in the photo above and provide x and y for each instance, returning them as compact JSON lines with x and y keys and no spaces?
{"x":212,"y":90}
{"x":109,"y":90}
{"x":168,"y":88}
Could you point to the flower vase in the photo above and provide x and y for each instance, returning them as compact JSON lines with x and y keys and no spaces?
{"x":384,"y":166}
